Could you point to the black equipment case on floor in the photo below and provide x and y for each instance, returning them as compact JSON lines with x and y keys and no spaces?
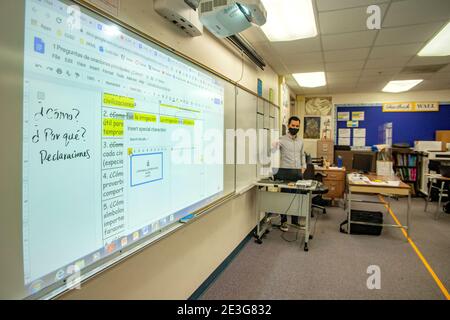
{"x":364,"y":216}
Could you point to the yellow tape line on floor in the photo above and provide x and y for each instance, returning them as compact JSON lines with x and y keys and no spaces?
{"x":419,"y":254}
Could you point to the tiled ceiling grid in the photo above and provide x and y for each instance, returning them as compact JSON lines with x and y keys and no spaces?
{"x":356,"y":59}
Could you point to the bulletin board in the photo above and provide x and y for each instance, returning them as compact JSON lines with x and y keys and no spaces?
{"x":407,"y":126}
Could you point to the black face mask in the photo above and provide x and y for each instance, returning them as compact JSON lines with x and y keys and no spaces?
{"x":293,"y":131}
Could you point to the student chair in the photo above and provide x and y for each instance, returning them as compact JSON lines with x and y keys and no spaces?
{"x":310,"y":174}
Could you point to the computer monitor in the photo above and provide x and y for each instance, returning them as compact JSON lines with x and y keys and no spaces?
{"x":287,"y":174}
{"x":362,"y":162}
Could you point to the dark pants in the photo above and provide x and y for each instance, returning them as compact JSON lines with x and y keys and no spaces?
{"x":294,"y":219}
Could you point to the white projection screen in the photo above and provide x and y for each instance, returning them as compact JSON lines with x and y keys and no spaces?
{"x":108,"y":140}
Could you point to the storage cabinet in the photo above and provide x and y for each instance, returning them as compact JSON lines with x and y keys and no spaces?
{"x":335,"y":182}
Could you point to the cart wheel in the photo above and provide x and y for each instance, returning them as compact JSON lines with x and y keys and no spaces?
{"x":267,"y":231}
{"x":258,"y":241}
{"x":306,"y":247}
{"x":310,"y":237}
{"x":324,"y":211}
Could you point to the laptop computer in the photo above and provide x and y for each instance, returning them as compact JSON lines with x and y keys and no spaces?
{"x":287,"y":174}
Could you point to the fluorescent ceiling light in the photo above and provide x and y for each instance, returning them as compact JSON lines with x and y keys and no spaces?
{"x":401,"y":85}
{"x":311,"y":79}
{"x":289,"y":20}
{"x":438,"y":46}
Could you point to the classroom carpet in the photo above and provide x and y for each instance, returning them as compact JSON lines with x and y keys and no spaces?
{"x":338,"y":266}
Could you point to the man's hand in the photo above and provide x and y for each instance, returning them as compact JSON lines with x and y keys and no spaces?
{"x":275,"y":144}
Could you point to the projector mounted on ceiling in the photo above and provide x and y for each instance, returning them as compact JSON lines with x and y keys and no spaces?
{"x":225,"y":18}
{"x":182,"y":14}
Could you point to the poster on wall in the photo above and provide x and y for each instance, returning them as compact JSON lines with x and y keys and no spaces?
{"x":411,"y":107}
{"x":358,"y":115}
{"x":352,"y":124}
{"x":312,"y":128}
{"x":359,"y":133}
{"x":344,"y":132}
{"x":284,"y":108}
{"x":318,"y":106}
{"x":325,"y":125}
{"x":343,"y":116}
{"x":260,"y":87}
{"x":344,"y":141}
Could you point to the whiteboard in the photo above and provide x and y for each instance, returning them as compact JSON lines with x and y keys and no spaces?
{"x":98,"y":125}
{"x":246,"y":107}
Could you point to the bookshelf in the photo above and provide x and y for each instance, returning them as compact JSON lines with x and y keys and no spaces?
{"x":406,"y":167}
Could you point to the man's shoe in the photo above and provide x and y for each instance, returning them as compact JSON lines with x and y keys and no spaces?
{"x":284,"y":227}
{"x":299,"y":225}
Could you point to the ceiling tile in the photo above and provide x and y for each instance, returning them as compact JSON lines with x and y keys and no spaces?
{"x":445,"y":69}
{"x":331,"y":22}
{"x":409,"y":34}
{"x":396,"y":51}
{"x":387,"y":62}
{"x":278,"y":67}
{"x":297,"y":46}
{"x":292,"y":83}
{"x":306,"y":68}
{"x":346,"y":55}
{"x":342,"y":81}
{"x":350,"y":40}
{"x":309,"y":57}
{"x":422,"y":61}
{"x":374,"y":79}
{"x":440,"y":76}
{"x":380,"y":72}
{"x":342,"y":85}
{"x":325,"y":5}
{"x":432,"y":85}
{"x":409,"y":12}
{"x":370,"y":87}
{"x":424,"y":76}
{"x":346,"y":65}
{"x":254,"y":35}
{"x":343,"y":74}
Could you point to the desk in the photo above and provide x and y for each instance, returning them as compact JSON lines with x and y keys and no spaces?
{"x":270,"y":199}
{"x":436,"y":177}
{"x":362,"y":187}
{"x":334,"y":181}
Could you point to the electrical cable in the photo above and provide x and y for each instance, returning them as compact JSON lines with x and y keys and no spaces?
{"x":298,"y":231}
{"x":285,"y":212}
{"x":242,"y":68}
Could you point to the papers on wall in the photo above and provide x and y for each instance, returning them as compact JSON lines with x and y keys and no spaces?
{"x":359,"y":133}
{"x":344,"y":136}
{"x":359,"y":142}
{"x":358,"y":115}
{"x":325,"y":127}
{"x":344,"y":133}
{"x":352,"y":124}
{"x":343,"y":116}
{"x":344,"y":141}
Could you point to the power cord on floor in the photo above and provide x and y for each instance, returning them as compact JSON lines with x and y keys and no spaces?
{"x":298,"y":231}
